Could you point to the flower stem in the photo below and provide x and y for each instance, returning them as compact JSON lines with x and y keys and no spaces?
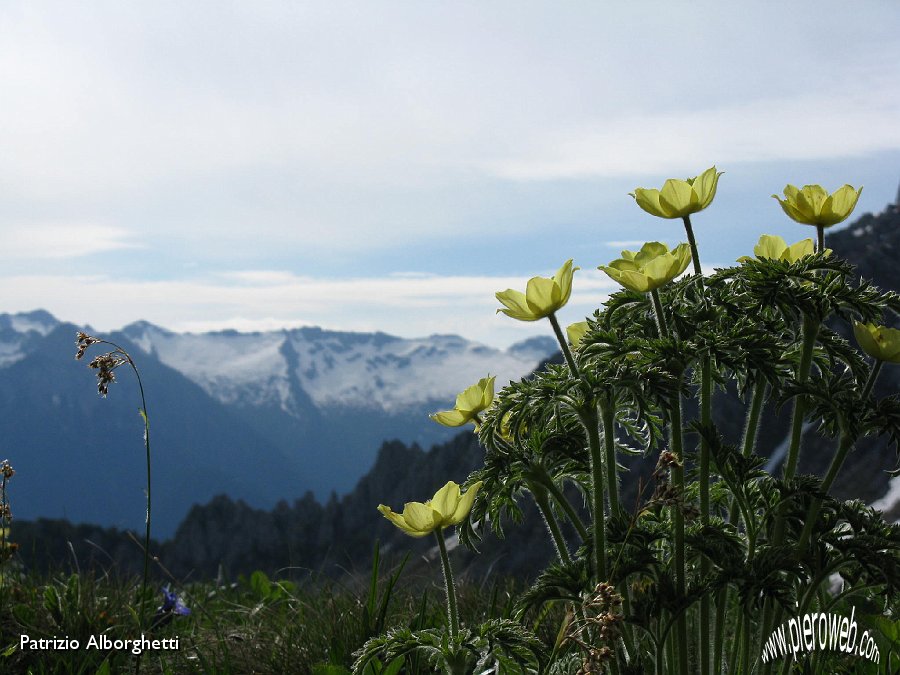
{"x":677,"y":446}
{"x":810,"y":332}
{"x":846,"y":442}
{"x":146,"y":419}
{"x":820,"y":232}
{"x":661,"y":324}
{"x":706,"y":421}
{"x":448,"y":585}
{"x":589,"y":420}
{"x":564,"y":345}
{"x":676,"y":442}
{"x":540,"y":498}
{"x":564,"y":504}
{"x":695,"y":254}
{"x":608,"y":417}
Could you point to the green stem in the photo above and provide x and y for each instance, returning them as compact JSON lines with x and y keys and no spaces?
{"x":661,"y":324}
{"x":448,"y":585}
{"x":540,"y":498}
{"x":706,"y":421}
{"x":815,"y":506}
{"x":149,"y":503}
{"x":564,"y":504}
{"x":589,"y":420}
{"x":820,"y":237}
{"x":870,"y":382}
{"x":695,"y":255}
{"x":756,"y":405}
{"x":677,"y":445}
{"x":563,"y":344}
{"x":810,"y":332}
{"x":608,"y":417}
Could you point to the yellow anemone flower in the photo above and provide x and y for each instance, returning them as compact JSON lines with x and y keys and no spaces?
{"x":447,"y":507}
{"x":679,"y":198}
{"x":773,"y":247}
{"x":575,"y":332}
{"x":880,"y":342}
{"x":542,"y":296}
{"x":651,"y":267}
{"x":812,"y":205}
{"x":469,"y":403}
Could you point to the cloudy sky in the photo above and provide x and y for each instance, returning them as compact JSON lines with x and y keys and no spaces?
{"x":390,"y":165}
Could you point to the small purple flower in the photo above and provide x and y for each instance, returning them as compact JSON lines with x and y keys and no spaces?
{"x":171,"y":603}
{"x":171,"y":606}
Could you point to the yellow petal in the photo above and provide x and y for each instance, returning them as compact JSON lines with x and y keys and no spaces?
{"x":420,"y":518}
{"x":811,"y":199}
{"x":576,"y":332}
{"x":563,"y":279}
{"x":399,"y":521}
{"x":880,"y":342}
{"x":464,"y":505}
{"x":678,"y":198}
{"x":543,"y":296}
{"x":649,"y":201}
{"x":472,"y":399}
{"x":649,"y":251}
{"x":770,"y":246}
{"x":515,"y":305}
{"x":451,"y":418}
{"x":635,"y":281}
{"x":445,"y":501}
{"x":657,"y":271}
{"x":788,"y":206}
{"x":487,"y":387}
{"x":798,"y":250}
{"x":839,"y":205}
{"x":705,"y":186}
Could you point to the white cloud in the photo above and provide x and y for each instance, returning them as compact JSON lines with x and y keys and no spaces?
{"x":56,"y":241}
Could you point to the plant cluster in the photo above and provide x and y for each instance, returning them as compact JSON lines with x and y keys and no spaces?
{"x":695,"y":576}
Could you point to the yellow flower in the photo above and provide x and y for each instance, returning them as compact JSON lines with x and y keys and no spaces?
{"x":651,"y":267}
{"x":542,"y":296}
{"x":447,"y":507}
{"x":469,"y":403}
{"x":679,"y":198}
{"x":878,"y":341}
{"x":576,"y":332}
{"x":814,"y":206}
{"x":774,"y":247}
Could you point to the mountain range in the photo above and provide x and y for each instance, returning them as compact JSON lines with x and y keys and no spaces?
{"x":256,"y":416}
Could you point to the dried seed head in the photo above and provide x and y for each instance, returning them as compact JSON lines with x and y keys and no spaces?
{"x":6,"y":469}
{"x":83,"y":341}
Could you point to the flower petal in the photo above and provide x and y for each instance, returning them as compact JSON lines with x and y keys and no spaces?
{"x":649,"y":201}
{"x":464,"y":505}
{"x":420,"y":518}
{"x":515,"y":305}
{"x":678,"y":198}
{"x":543,"y":296}
{"x":451,"y":418}
{"x":445,"y":501}
{"x":770,"y":246}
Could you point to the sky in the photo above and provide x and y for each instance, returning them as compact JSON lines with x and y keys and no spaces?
{"x":391,"y":165}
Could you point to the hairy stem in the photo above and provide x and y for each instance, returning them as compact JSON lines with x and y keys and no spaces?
{"x":810,"y":332}
{"x":450,"y":589}
{"x":564,"y":345}
{"x":540,"y":498}
{"x":695,"y":254}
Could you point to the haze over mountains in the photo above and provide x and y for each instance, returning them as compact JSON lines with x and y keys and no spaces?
{"x":256,"y":416}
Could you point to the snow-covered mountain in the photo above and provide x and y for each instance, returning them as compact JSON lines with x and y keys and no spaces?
{"x":259,"y":416}
{"x":369,"y":371}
